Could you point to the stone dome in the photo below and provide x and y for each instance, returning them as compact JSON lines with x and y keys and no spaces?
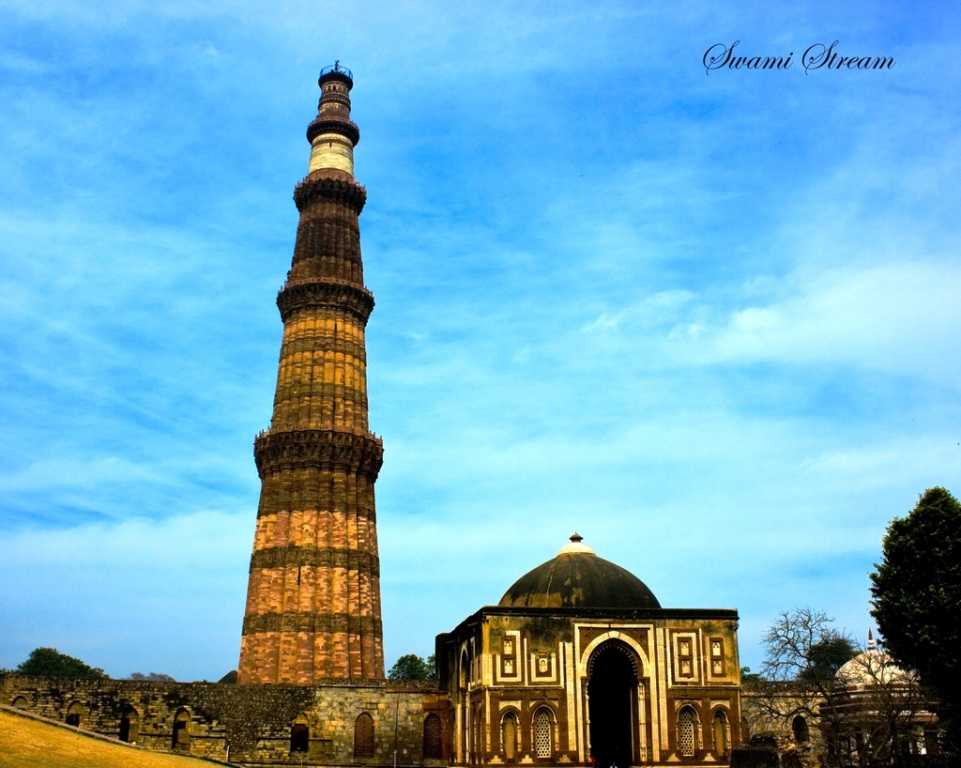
{"x":578,"y":578}
{"x":869,"y":668}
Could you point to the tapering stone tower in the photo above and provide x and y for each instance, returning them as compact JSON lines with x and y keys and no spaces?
{"x":313,"y":599}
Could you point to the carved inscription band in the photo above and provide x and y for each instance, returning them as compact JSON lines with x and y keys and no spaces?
{"x":313,"y":189}
{"x":315,"y":343}
{"x":282,"y":504}
{"x":328,"y":293}
{"x":310,"y":622}
{"x":319,"y":449}
{"x":335,"y":557}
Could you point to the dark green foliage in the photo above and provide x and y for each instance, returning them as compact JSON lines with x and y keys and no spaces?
{"x":229,"y":679}
{"x":826,"y":656}
{"x":49,"y":662}
{"x":412,"y":667}
{"x":156,"y":677}
{"x":748,"y":677}
{"x":916,"y":593}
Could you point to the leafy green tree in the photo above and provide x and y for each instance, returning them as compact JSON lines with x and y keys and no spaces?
{"x":748,"y":677}
{"x":412,"y":667}
{"x":826,"y":656}
{"x":916,"y":591}
{"x":49,"y":662}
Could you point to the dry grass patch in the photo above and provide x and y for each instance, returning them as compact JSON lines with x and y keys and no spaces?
{"x":26,"y":743}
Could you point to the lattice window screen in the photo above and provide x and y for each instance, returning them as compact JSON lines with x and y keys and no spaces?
{"x":685,"y":733}
{"x":542,"y":734}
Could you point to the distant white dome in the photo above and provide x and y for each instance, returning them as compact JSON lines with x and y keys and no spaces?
{"x":872,"y":667}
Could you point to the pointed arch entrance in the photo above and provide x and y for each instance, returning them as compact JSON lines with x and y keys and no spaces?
{"x":613,"y":673}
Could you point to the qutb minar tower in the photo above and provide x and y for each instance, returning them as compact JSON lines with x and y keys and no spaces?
{"x":313,"y":599}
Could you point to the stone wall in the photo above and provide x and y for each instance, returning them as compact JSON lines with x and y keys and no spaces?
{"x":249,"y":724}
{"x":772,"y":716}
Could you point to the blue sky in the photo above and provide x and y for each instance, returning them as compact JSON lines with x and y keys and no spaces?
{"x":710,"y":322}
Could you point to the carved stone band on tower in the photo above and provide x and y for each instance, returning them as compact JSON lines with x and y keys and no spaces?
{"x":313,"y":598}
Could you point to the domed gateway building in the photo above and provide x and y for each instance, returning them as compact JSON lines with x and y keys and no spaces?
{"x":579,"y":664}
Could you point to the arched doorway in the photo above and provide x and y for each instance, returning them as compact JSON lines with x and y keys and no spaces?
{"x":364,"y":735}
{"x":129,"y":725}
{"x":432,"y":747}
{"x":180,"y":739}
{"x":74,"y":714}
{"x":799,"y":727}
{"x":300,"y":735}
{"x":612,"y":693}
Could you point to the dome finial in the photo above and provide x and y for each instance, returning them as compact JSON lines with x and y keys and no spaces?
{"x":574,"y":546}
{"x":872,"y":644}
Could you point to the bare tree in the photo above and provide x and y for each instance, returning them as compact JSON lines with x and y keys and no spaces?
{"x":803,"y":654}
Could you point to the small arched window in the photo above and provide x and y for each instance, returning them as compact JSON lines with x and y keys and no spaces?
{"x":181,"y":735}
{"x":300,"y":736}
{"x":509,"y":737}
{"x":432,"y":738}
{"x":364,"y":735}
{"x":800,"y":728}
{"x":686,"y":731}
{"x":543,"y":736}
{"x":19,"y":703}
{"x":721,"y":745}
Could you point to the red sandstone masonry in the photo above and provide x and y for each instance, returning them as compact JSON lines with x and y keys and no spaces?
{"x":313,"y":599}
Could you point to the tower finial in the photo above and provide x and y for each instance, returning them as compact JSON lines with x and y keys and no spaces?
{"x":872,"y":643}
{"x":576,"y":537}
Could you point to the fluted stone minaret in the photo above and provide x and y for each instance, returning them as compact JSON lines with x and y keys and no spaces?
{"x":313,"y":599}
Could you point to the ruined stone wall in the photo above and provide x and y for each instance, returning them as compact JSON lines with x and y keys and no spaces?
{"x":250,"y":724}
{"x":772,"y":716}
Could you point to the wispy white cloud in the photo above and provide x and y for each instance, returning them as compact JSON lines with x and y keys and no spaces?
{"x":709,"y":321}
{"x":902,"y":318}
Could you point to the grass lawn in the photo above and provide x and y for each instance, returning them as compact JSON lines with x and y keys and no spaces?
{"x":26,"y":743}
